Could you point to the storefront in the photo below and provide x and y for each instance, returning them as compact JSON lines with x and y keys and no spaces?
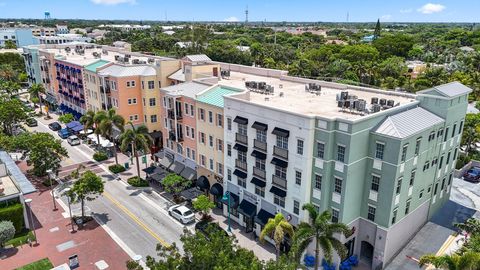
{"x":217,"y":191}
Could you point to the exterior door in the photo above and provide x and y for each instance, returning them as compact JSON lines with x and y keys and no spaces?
{"x":350,"y":245}
{"x":248,"y":223}
{"x":366,"y":252}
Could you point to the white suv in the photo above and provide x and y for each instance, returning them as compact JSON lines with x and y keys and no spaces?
{"x":181,"y":213}
{"x":73,"y":140}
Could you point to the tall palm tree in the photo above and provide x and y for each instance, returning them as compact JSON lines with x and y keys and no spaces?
{"x":107,"y":125}
{"x":87,"y":120}
{"x":278,"y":227}
{"x":97,"y":119}
{"x":36,"y":90}
{"x":138,"y":138}
{"x":468,"y":261}
{"x":320,"y":230}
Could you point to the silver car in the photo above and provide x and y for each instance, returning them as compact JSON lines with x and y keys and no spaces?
{"x":73,"y":140}
{"x":181,"y":213}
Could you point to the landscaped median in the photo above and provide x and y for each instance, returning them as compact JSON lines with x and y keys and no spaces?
{"x":43,"y":264}
{"x":116,"y":168}
{"x":137,"y":182}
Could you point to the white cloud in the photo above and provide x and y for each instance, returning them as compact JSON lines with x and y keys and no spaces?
{"x":386,"y":17}
{"x":113,"y":2}
{"x":408,"y":10}
{"x":231,"y":19}
{"x":431,"y":8}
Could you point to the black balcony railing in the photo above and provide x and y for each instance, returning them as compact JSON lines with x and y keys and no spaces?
{"x":243,"y":139}
{"x":280,"y":152}
{"x":260,"y":145}
{"x":259,"y":172}
{"x":280,"y":182}
{"x":241,"y":164}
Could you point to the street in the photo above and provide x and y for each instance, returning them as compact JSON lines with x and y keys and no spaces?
{"x":136,"y":219}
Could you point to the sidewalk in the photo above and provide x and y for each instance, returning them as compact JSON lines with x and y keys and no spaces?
{"x":91,"y":243}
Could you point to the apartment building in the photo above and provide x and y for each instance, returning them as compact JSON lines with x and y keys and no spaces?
{"x":44,"y":31}
{"x":61,"y":39}
{"x":210,"y":140}
{"x":383,"y":166}
{"x":20,"y":36}
{"x":196,"y":67}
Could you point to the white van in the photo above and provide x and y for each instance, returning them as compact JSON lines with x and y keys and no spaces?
{"x":73,"y":140}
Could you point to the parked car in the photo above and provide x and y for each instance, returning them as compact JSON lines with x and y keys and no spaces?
{"x":73,"y":140}
{"x":55,"y":126}
{"x":472,"y":175}
{"x":63,"y":133}
{"x":206,"y":228}
{"x":181,"y":213}
{"x":31,"y":122}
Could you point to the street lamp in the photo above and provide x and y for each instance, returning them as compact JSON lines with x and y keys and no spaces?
{"x":28,"y":201}
{"x":226,"y":198}
{"x":50,"y":176}
{"x":70,"y":209}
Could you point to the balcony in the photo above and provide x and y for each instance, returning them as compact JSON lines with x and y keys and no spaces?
{"x":280,"y":152}
{"x":260,"y":145}
{"x":172,"y":136}
{"x":243,"y":139}
{"x":171,"y":115}
{"x":259,"y":172}
{"x":241,"y":164}
{"x":279,"y":182}
{"x":102,"y":89}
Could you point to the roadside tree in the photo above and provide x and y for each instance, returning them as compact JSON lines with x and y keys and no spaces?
{"x":87,"y":188}
{"x":204,"y":205}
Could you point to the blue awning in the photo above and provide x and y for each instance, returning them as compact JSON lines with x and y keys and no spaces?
{"x":77,"y":128}
{"x":74,"y":124}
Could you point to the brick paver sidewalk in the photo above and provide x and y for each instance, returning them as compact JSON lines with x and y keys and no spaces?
{"x":91,"y":244}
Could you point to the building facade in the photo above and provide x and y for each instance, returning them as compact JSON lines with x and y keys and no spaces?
{"x":20,"y":36}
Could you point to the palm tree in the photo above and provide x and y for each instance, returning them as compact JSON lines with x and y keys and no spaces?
{"x":87,"y":120}
{"x":468,"y":261}
{"x":106,"y":127}
{"x":97,"y":119}
{"x":321,"y":230}
{"x":278,"y":227}
{"x":36,"y":90}
{"x":138,"y":138}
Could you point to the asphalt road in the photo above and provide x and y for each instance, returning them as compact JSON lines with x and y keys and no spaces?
{"x":136,"y":218}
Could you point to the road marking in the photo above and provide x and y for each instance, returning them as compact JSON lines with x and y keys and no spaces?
{"x":134,"y":218}
{"x":446,"y":245}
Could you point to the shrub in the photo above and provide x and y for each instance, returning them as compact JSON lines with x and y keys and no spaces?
{"x":137,"y":182}
{"x":462,"y":160}
{"x":100,"y":156}
{"x":13,"y":213}
{"x":7,"y":231}
{"x":116,"y":168}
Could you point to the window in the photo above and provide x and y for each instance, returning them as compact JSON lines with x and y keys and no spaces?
{"x":186,"y":109}
{"x":242,"y":129}
{"x":229,"y":175}
{"x":299,"y":147}
{"x":151,"y":84}
{"x":187,"y":131}
{"x":455,"y":154}
{"x":429,"y":189}
{"x":260,"y":191}
{"x":341,"y":153}
{"x":375,"y":183}
{"x":448,"y":157}
{"x":338,"y":185}
{"x":229,"y":123}
{"x":210,"y":140}
{"x":153,"y":118}
{"x":229,"y":150}
{"x":192,"y":111}
{"x":412,"y":177}
{"x":441,"y":162}
{"x":335,"y":215}
{"x":443,"y":183}
{"x":404,"y":153}
{"x":242,"y":156}
{"x":371,"y":213}
{"x":164,"y":102}
{"x":318,"y":182}
{"x":394,"y":216}
{"x":379,"y":150}
{"x":296,"y":207}
{"x":440,"y":133}
{"x":450,"y":179}
{"x":431,"y":136}
{"x":201,"y":114}
{"x":188,"y":152}
{"x":193,"y":132}
{"x":133,"y":117}
{"x":219,"y":120}
{"x":454,"y":130}
{"x":281,"y":172}
{"x":132,"y":101}
{"x":179,"y":149}
{"x":435,"y":189}
{"x":261,"y":135}
{"x":426,"y":166}
{"x":399,"y":185}
{"x":202,"y":137}
{"x":320,"y":149}
{"x":446,"y":134}
{"x":202,"y":160}
{"x":152,"y":102}
{"x":298,"y":178}
{"x":219,"y":145}
{"x":242,"y":182}
{"x":279,"y":200}
{"x":460,"y":127}
{"x":407,"y":207}
{"x":211,"y":165}
{"x":260,"y":164}
{"x":210,"y":117}
{"x":420,"y":195}
{"x":282,"y":142}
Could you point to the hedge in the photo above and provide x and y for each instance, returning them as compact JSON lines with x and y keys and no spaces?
{"x":116,"y":168}
{"x":14,"y":213}
{"x":100,"y":156}
{"x":137,"y":182}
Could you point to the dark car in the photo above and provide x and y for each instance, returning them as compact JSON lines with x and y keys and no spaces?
{"x":64,"y":133}
{"x":472,"y":175}
{"x":206,"y":227}
{"x":31,"y":122}
{"x":55,"y":126}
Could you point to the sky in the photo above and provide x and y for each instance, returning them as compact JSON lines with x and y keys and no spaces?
{"x":259,"y":10}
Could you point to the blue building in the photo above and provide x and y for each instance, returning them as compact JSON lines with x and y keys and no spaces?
{"x":21,"y":36}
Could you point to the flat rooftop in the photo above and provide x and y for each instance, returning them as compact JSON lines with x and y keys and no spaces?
{"x":291,"y":96}
{"x":9,"y":187}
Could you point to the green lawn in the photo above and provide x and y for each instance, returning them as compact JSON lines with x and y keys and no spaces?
{"x":21,"y":238}
{"x":43,"y":264}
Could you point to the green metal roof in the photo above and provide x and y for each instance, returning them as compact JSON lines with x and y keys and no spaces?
{"x":93,"y":67}
{"x":215,"y":95}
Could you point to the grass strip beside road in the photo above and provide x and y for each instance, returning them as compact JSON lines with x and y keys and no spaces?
{"x":43,"y":264}
{"x":134,"y":218}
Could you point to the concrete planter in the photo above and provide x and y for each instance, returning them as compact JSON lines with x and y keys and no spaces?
{"x":472,"y":163}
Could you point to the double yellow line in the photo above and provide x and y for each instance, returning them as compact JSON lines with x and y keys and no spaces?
{"x":134,"y":218}
{"x":446,"y":245}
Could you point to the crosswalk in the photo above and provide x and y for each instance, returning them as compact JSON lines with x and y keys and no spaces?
{"x":87,"y":165}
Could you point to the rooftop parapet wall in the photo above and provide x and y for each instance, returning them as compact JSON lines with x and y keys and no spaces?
{"x":252,"y":70}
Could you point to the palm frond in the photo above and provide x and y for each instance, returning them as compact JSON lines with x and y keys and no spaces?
{"x":312,"y":212}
